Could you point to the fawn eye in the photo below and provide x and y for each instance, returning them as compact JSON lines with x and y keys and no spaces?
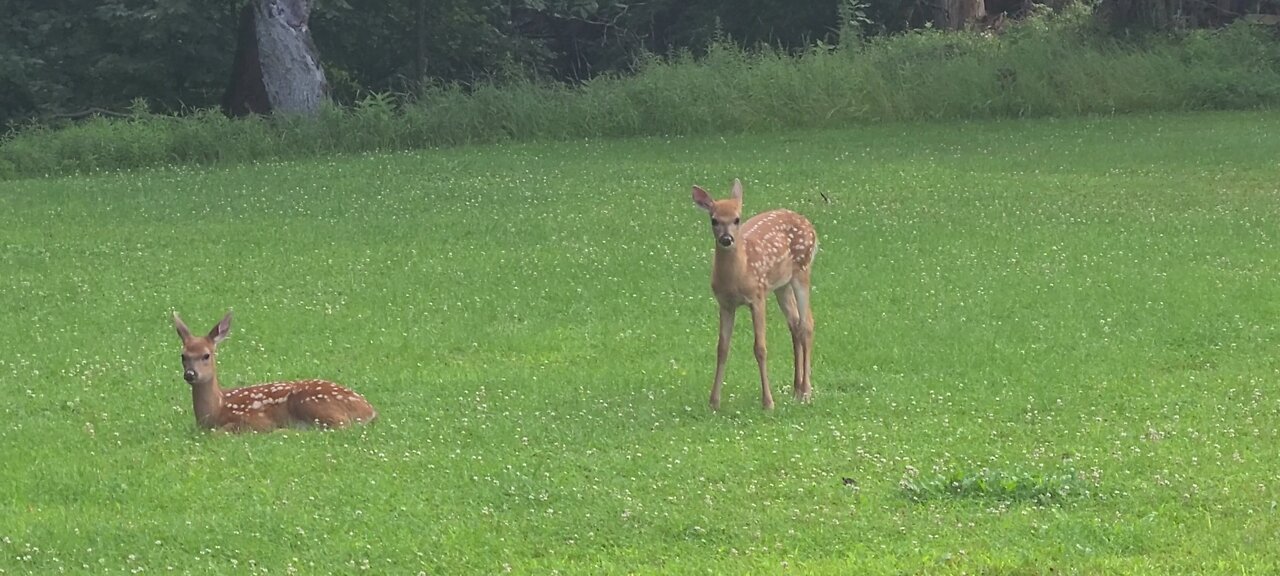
{"x":713,"y":220}
{"x":205,"y":357}
{"x":735,"y":220}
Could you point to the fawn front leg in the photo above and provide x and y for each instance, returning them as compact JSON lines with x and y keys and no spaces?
{"x":722,"y":353}
{"x":757,"y":323}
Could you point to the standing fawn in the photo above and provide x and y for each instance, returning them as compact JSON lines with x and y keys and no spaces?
{"x":264,"y":407}
{"x":771,"y":252}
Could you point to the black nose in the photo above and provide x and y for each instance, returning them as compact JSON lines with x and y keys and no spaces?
{"x":189,"y":376}
{"x":726,"y":241}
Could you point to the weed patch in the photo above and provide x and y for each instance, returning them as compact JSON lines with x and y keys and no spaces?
{"x":1042,"y":488}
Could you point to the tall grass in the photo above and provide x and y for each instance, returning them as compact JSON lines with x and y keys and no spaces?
{"x":1046,"y":66}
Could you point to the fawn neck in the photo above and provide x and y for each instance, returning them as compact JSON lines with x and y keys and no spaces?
{"x":730,"y":268}
{"x":206,"y":399}
{"x":732,"y":258}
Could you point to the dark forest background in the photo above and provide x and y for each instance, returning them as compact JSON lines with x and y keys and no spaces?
{"x":64,"y":58}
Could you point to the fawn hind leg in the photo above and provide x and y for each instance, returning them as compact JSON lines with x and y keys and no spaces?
{"x":787,"y":302}
{"x":800,"y":288}
{"x":308,"y":412}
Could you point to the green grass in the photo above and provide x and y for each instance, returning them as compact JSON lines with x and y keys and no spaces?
{"x":1019,"y":300}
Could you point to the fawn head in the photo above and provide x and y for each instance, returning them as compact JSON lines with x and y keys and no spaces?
{"x":198,"y":351}
{"x":725,"y":214}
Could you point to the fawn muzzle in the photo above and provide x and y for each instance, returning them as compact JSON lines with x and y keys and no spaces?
{"x":189,"y":376}
{"x":726,"y":240}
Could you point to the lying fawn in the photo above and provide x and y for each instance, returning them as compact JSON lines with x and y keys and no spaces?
{"x":263,"y":407}
{"x":772,"y":251}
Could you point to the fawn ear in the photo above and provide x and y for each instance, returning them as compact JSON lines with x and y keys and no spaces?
{"x":737,"y":190}
{"x":183,"y":332}
{"x":220,"y":332}
{"x":702,"y":199}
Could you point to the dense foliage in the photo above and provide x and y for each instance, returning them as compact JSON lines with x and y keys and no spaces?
{"x":1051,"y":66}
{"x":69,"y":56}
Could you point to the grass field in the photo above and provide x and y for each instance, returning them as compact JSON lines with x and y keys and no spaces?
{"x":1041,"y":346}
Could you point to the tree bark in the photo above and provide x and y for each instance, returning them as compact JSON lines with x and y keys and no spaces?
{"x":277,"y":67}
{"x":958,"y":14}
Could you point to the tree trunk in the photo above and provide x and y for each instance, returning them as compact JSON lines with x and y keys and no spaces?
{"x":277,"y":67}
{"x":958,"y":14}
{"x":420,"y":34}
{"x":246,"y":94}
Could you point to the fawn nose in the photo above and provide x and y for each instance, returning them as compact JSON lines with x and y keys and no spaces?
{"x":189,"y":376}
{"x":726,"y":240}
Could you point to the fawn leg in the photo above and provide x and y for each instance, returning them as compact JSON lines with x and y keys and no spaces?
{"x":801,"y":289}
{"x":757,"y":323}
{"x":722,"y":353}
{"x":787,"y":301}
